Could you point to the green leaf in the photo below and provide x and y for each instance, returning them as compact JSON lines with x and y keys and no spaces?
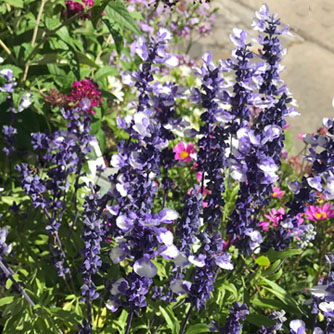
{"x":15,"y":3}
{"x":6,"y":300}
{"x":198,"y":328}
{"x":51,"y":22}
{"x":259,"y":320}
{"x":171,"y":320}
{"x":275,"y":304}
{"x":273,"y":267}
{"x":104,"y":72}
{"x":83,"y":59}
{"x":65,"y":36}
{"x":116,"y":35}
{"x":274,"y":255}
{"x":97,"y":12}
{"x":229,"y":287}
{"x":117,"y":12}
{"x":262,"y":261}
{"x":101,"y":138}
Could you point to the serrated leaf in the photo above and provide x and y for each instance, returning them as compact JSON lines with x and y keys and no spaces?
{"x":104,"y":72}
{"x":97,"y":11}
{"x":262,"y":261}
{"x":116,"y":35}
{"x":117,"y":12}
{"x":51,"y":22}
{"x":198,"y":328}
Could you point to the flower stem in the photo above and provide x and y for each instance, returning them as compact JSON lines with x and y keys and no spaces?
{"x":9,"y":273}
{"x":129,"y":322}
{"x":186,"y":319}
{"x":34,"y":36}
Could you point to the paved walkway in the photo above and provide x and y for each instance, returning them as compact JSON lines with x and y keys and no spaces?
{"x":309,"y":62}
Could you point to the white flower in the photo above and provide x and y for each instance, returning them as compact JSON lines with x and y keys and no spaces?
{"x":145,"y":268}
{"x":115,"y":86}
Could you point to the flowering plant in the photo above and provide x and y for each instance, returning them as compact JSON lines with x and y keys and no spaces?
{"x":136,"y":198}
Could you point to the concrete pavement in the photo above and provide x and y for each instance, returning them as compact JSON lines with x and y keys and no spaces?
{"x":309,"y":63}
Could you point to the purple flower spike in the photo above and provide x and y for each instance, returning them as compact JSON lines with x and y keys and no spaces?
{"x":9,"y":139}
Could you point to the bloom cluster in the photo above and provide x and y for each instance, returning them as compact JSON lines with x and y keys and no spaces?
{"x":85,"y":95}
{"x":140,"y":234}
{"x":64,"y":152}
{"x":74,"y":7}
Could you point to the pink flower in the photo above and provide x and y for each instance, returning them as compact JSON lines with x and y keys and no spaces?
{"x":274,"y":217}
{"x":199,"y":176}
{"x":85,"y":95}
{"x":317,"y":213}
{"x":278,"y":193}
{"x":301,"y":136}
{"x":74,"y":7}
{"x":300,"y":218}
{"x":183,"y":152}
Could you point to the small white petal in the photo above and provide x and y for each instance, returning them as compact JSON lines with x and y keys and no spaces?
{"x":123,"y":223}
{"x":181,"y":260}
{"x":326,"y":307}
{"x":296,"y":324}
{"x":166,"y":237}
{"x":111,"y":305}
{"x":198,"y":261}
{"x":121,"y":189}
{"x":116,"y":255}
{"x":145,"y":268}
{"x":170,"y":214}
{"x":172,"y":61}
{"x":180,"y":286}
{"x":171,"y":252}
{"x":114,"y":288}
{"x":319,"y":291}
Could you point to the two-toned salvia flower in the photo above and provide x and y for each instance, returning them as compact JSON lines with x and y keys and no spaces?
{"x":189,"y":222}
{"x":211,"y":162}
{"x":5,"y":249}
{"x":297,"y":326}
{"x":92,"y":236}
{"x":140,"y":234}
{"x":9,"y":86}
{"x":234,"y":321}
{"x":9,"y":139}
{"x":279,"y":318}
